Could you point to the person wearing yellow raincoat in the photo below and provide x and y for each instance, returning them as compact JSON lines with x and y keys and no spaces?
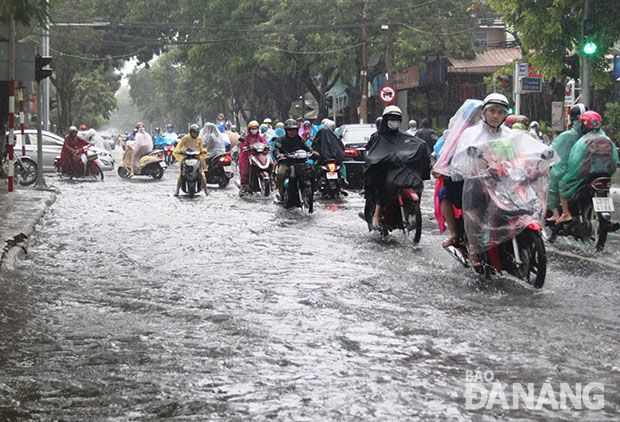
{"x":191,"y":141}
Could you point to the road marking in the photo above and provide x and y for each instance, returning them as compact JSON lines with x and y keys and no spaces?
{"x":585,"y":258}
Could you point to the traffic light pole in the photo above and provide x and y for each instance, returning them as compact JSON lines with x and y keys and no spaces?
{"x":585,"y":61}
{"x":45,"y":50}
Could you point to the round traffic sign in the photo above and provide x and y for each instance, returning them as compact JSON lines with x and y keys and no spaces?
{"x":387,"y":94}
{"x":221,"y":116}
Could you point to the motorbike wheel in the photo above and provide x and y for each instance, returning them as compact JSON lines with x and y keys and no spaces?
{"x":96,"y":172}
{"x":265,"y":187}
{"x":26,"y":172}
{"x":123,"y":172}
{"x":533,"y":248}
{"x":308,"y":199}
{"x":223,"y":182}
{"x":158,"y":174}
{"x":414,"y":220}
{"x":191,"y":189}
{"x":600,"y":232}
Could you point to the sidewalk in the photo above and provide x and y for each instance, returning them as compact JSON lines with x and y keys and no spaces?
{"x":20,"y":211}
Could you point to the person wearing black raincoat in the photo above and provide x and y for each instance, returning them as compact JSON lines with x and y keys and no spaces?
{"x":395,"y":160}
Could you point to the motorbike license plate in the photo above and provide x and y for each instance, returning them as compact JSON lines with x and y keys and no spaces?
{"x":603,"y":204}
{"x":332,"y":175}
{"x":227,"y":169}
{"x":162,"y":164}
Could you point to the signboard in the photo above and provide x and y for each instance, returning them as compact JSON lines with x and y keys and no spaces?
{"x":24,"y":66}
{"x":531,"y":85}
{"x":569,"y":93}
{"x":387,"y":94}
{"x":521,"y":70}
{"x":221,"y":116}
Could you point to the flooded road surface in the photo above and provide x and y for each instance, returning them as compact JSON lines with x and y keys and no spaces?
{"x":135,"y":305}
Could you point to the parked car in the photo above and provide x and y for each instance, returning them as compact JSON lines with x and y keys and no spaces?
{"x":52,"y":146}
{"x":355,"y":137}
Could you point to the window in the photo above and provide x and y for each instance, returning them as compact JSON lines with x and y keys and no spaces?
{"x":481,"y":39}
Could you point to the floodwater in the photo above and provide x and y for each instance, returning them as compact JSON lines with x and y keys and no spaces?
{"x":135,"y":305}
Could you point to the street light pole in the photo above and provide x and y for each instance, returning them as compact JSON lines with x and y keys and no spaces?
{"x":45,"y":91}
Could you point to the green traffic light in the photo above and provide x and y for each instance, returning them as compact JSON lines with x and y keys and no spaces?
{"x":589,"y":48}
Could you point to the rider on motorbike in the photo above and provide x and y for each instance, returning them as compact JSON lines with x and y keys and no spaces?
{"x":593,"y":153}
{"x":329,"y":145}
{"x":490,"y":127}
{"x":563,"y":144}
{"x":505,"y":174}
{"x":244,"y":154}
{"x":192,"y":140}
{"x":72,"y":150}
{"x":381,"y":177}
{"x":289,"y":142}
{"x":143,"y":145}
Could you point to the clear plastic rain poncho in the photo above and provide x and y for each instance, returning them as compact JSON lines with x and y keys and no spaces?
{"x":143,"y":145}
{"x":214,"y":140}
{"x":506,"y":176}
{"x":467,"y":115}
{"x":594,"y":153}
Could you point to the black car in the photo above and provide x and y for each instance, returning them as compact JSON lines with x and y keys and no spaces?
{"x":355,"y":137}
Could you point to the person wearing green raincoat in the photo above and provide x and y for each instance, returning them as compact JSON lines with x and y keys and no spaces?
{"x":563,"y":145}
{"x":193,"y":140}
{"x":593,"y":154}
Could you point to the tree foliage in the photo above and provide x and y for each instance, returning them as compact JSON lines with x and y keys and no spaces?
{"x":551,"y":29}
{"x":258,"y":56}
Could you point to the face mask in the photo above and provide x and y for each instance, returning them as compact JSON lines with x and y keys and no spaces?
{"x":393,"y":124}
{"x":253,"y":131}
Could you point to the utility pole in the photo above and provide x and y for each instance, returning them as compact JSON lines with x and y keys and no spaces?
{"x":389,"y":54}
{"x":364,"y":71}
{"x":12,"y":65}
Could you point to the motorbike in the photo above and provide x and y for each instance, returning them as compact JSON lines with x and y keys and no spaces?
{"x":402,"y":212}
{"x":329,"y":179}
{"x":591,"y":209}
{"x":191,"y":168}
{"x":25,"y":168}
{"x":219,"y":170}
{"x":261,"y":167}
{"x":515,"y":203}
{"x":92,"y":169}
{"x":151,"y":165}
{"x":168,"y":147}
{"x":299,"y":186}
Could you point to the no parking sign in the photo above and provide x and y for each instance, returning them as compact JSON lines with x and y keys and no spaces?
{"x":387,"y":94}
{"x":221,"y":116}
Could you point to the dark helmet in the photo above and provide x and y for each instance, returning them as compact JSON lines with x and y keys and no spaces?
{"x":576,"y":111}
{"x":291,"y":124}
{"x":591,"y":120}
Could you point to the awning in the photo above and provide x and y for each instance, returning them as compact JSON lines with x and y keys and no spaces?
{"x":486,"y":63}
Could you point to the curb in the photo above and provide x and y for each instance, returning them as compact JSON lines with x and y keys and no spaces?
{"x":15,"y":247}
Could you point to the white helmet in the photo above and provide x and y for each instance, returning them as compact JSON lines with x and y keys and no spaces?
{"x":392,"y":111}
{"x":495,"y":99}
{"x":267,"y":120}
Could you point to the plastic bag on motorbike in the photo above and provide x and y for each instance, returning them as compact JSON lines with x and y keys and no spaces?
{"x":505,"y":189}
{"x":593,"y":153}
{"x":467,"y":115}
